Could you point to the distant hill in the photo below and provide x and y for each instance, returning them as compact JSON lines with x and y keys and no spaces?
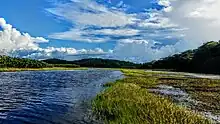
{"x":57,"y":61}
{"x":10,"y":62}
{"x":105,"y":63}
{"x":61,"y":63}
{"x":205,"y":59}
{"x":95,"y":62}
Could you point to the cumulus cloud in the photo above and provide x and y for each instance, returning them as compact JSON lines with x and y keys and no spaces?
{"x":60,"y":53}
{"x":199,"y":16}
{"x":18,"y":44}
{"x":11,"y":38}
{"x":141,"y":51}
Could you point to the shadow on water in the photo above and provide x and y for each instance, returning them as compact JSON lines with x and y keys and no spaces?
{"x":50,"y":97}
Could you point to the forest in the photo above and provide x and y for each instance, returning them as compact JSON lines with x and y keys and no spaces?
{"x":105,"y":63}
{"x":95,"y":62}
{"x":204,"y":59}
{"x":10,"y":62}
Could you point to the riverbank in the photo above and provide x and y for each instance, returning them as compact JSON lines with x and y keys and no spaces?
{"x":38,"y":69}
{"x":157,"y":97}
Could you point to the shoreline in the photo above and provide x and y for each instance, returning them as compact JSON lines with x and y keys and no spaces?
{"x":39,"y":69}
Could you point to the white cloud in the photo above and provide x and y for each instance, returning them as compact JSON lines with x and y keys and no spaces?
{"x":61,"y":53}
{"x":11,"y":38}
{"x":143,"y":51}
{"x":117,"y":32}
{"x":78,"y":35}
{"x":90,"y":35}
{"x":199,"y":16}
{"x":120,"y":24}
{"x":87,"y":12}
{"x":156,"y":20}
{"x":17,"y":44}
{"x":140,"y":51}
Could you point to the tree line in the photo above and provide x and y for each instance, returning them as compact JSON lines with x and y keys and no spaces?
{"x":10,"y":62}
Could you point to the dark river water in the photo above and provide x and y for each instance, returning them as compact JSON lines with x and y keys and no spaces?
{"x":50,"y":97}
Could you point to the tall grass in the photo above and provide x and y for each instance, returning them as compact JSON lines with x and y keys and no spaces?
{"x":127,"y":102}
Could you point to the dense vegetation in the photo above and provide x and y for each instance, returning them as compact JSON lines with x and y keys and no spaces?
{"x":130,"y":101}
{"x":57,"y":61}
{"x":96,"y":62}
{"x":61,"y":63}
{"x":9,"y":62}
{"x":105,"y":63}
{"x":205,"y":59}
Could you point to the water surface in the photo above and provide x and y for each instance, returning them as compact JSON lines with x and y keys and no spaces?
{"x":50,"y":97}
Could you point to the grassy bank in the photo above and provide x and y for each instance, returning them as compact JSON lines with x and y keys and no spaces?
{"x":129,"y":101}
{"x":38,"y":69}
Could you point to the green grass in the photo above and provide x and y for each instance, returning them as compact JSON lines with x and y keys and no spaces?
{"x":127,"y":101}
{"x":38,"y":69}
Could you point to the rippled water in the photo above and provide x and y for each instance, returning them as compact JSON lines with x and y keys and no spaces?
{"x":50,"y":97}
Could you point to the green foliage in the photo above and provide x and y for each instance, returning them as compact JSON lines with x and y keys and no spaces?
{"x":96,"y":62}
{"x":57,"y":61}
{"x":105,"y":63}
{"x":9,"y":62}
{"x":205,"y":59}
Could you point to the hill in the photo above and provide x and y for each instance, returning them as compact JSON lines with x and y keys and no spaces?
{"x":105,"y":63}
{"x":61,"y":63}
{"x":95,"y":62}
{"x":10,"y":62}
{"x":57,"y":61}
{"x":205,"y":59}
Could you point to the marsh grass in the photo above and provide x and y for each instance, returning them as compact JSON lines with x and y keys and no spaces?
{"x":127,"y":101}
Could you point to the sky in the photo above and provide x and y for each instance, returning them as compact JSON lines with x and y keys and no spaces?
{"x":131,"y":30}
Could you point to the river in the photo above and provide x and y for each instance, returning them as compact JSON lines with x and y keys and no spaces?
{"x":51,"y":97}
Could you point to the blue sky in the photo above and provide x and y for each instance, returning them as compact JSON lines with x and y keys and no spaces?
{"x":133,"y":30}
